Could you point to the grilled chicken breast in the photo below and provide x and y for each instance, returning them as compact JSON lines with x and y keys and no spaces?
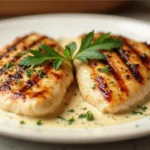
{"x":28,"y":91}
{"x":124,"y":85}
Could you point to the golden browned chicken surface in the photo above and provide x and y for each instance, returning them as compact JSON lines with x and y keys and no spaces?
{"x":32,"y":91}
{"x":121,"y":81}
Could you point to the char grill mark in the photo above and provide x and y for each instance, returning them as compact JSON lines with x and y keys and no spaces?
{"x":6,"y":84}
{"x":34,"y":82}
{"x":13,"y":47}
{"x":37,"y":41}
{"x":116,"y":75}
{"x":123,"y":54}
{"x":102,"y":85}
{"x":16,"y":57}
{"x":147,"y":45}
{"x":145,"y":60}
{"x":11,"y":78}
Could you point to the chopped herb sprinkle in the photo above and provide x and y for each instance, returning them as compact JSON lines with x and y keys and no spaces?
{"x":61,"y":118}
{"x":22,"y":122}
{"x":41,"y":74}
{"x":71,"y":110}
{"x":1,"y":70}
{"x":82,"y":116}
{"x":29,"y":72}
{"x":89,"y":116}
{"x":112,"y":82}
{"x":137,"y":112}
{"x":141,"y":110}
{"x":39,"y":122}
{"x":106,"y":69}
{"x":69,"y":121}
{"x":9,"y":65}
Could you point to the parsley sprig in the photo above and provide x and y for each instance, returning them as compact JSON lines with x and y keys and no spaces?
{"x":89,"y":49}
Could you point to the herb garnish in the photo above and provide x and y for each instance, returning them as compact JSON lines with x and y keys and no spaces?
{"x":71,"y":110}
{"x":1,"y":70}
{"x":142,"y":110}
{"x":111,"y":82}
{"x":106,"y":69}
{"x":89,"y":49}
{"x":84,"y":108}
{"x":69,"y":121}
{"x":29,"y":72}
{"x":137,"y":112}
{"x":89,"y":116}
{"x":61,"y":118}
{"x":41,"y":74}
{"x":22,"y":122}
{"x":9,"y":66}
{"x":39,"y":122}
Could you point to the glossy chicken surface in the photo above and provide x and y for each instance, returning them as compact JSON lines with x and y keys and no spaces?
{"x":121,"y":81}
{"x":31,"y":91}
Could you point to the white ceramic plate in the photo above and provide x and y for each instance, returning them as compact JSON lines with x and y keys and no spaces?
{"x":72,"y":25}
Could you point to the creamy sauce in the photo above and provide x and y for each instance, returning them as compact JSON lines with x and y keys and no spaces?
{"x":74,"y":101}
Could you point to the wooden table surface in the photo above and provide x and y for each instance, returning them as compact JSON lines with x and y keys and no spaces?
{"x":136,"y":144}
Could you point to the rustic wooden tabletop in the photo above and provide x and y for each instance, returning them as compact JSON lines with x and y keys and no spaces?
{"x":141,"y":12}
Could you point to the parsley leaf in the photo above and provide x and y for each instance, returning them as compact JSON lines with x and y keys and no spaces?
{"x":57,"y":63}
{"x":40,"y":57}
{"x":101,"y":38}
{"x":89,"y":49}
{"x":86,"y":41}
{"x":70,"y":49}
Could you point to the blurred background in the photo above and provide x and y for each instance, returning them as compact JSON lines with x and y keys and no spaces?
{"x":132,"y":8}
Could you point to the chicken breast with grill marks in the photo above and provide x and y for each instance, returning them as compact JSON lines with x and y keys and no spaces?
{"x":126,"y":82}
{"x":31,"y":91}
